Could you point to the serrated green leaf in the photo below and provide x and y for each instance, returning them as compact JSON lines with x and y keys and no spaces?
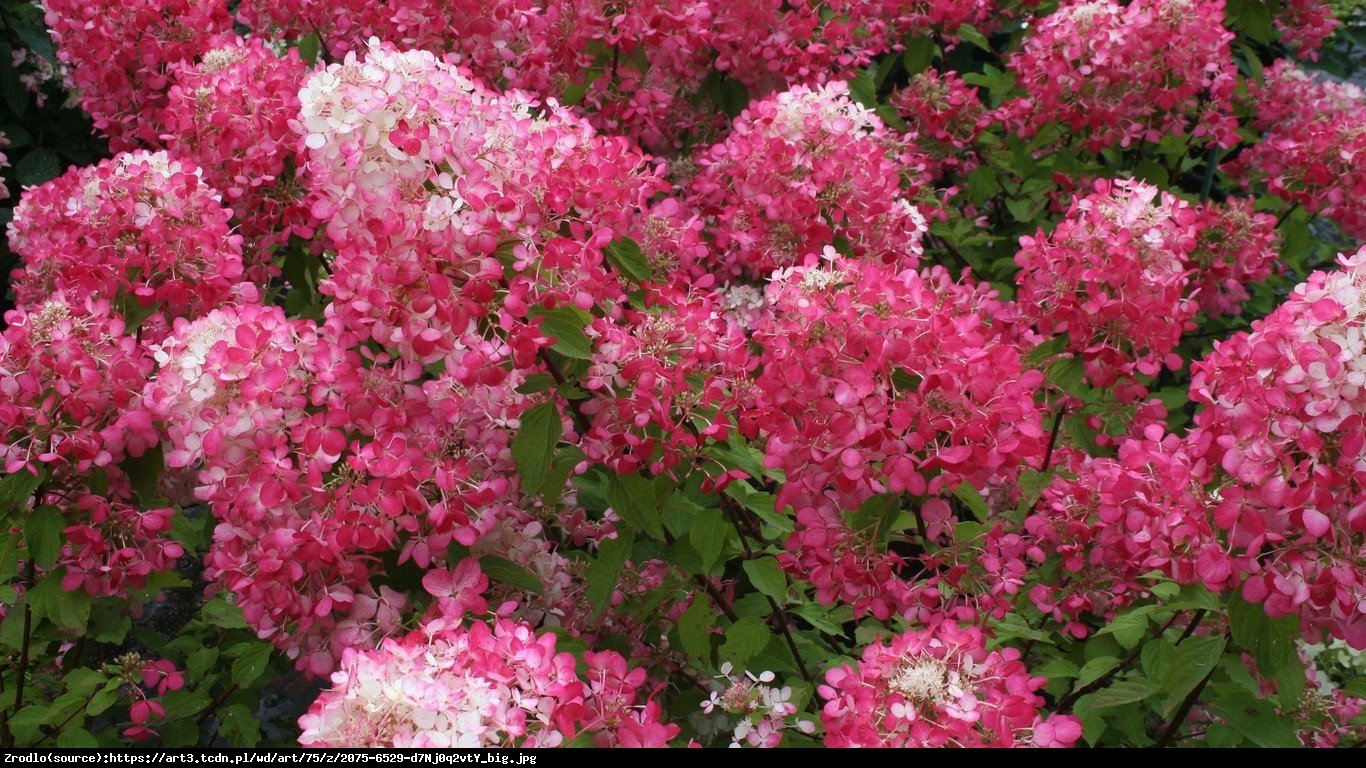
{"x":565,"y":325}
{"x":535,"y":443}
{"x":1194,"y":659}
{"x":68,"y":610}
{"x":37,"y":167}
{"x":1128,"y":628}
{"x":239,"y":726}
{"x":309,"y":47}
{"x":972,"y":498}
{"x":1257,"y":720}
{"x":249,"y":667}
{"x":224,"y":615}
{"x":707,"y":535}
{"x":1270,"y":641}
{"x":1095,"y":669}
{"x":744,"y":639}
{"x":625,"y":256}
{"x":507,"y":572}
{"x":694,"y":629}
{"x":75,"y":737}
{"x":1124,"y":692}
{"x":43,"y":533}
{"x":633,"y":499}
{"x":605,"y":569}
{"x":767,"y":577}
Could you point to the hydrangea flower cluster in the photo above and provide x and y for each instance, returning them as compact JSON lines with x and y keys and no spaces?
{"x":762,"y":711}
{"x":1113,"y":277}
{"x":874,"y":379}
{"x":118,"y":55}
{"x":1115,"y":521}
{"x":142,"y":231}
{"x":230,"y":112}
{"x":1315,"y":136}
{"x":798,"y":170}
{"x":1120,"y":73}
{"x":1286,"y":421}
{"x":478,"y":686}
{"x":71,"y":377}
{"x":1235,"y":247}
{"x":423,"y":176}
{"x":939,"y":687}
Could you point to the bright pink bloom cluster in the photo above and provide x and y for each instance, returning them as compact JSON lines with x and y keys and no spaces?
{"x":1315,"y":139}
{"x":1235,"y":247}
{"x":874,"y":379}
{"x":1304,"y":25}
{"x":665,"y":379}
{"x":944,"y":116}
{"x":144,"y":682}
{"x":1113,"y":521}
{"x":938,"y":687}
{"x":1113,"y":276}
{"x":479,"y":686}
{"x":70,"y":378}
{"x":229,"y":112}
{"x":140,"y":230}
{"x":1285,"y":418}
{"x":798,"y":170}
{"x":1120,"y":73}
{"x":117,"y":546}
{"x":423,"y":176}
{"x":118,"y":55}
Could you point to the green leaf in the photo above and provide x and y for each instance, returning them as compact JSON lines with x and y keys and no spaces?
{"x":744,"y":639}
{"x":973,"y":500}
{"x":68,"y":610}
{"x":109,"y":621}
{"x":239,"y":726}
{"x":919,"y":53}
{"x":508,"y":572}
{"x":251,"y":665}
{"x":309,"y":47}
{"x":708,"y":535}
{"x":43,"y":532}
{"x":1257,"y":720}
{"x":1057,"y":668}
{"x":224,"y":615}
{"x":104,"y":698}
{"x":1194,"y":659}
{"x":970,"y":34}
{"x":1270,"y":641}
{"x":200,"y":661}
{"x":1095,"y":669}
{"x":37,"y":167}
{"x":565,"y":325}
{"x":1124,"y":692}
{"x":535,"y":443}
{"x":1157,"y":657}
{"x":632,"y":497}
{"x":604,"y":571}
{"x":1069,"y":375}
{"x":76,"y":737}
{"x":625,"y":256}
{"x":144,"y":473}
{"x":1128,"y":628}
{"x":18,"y":488}
{"x":863,"y":90}
{"x":1013,"y":625}
{"x":694,"y":629}
{"x":767,"y":577}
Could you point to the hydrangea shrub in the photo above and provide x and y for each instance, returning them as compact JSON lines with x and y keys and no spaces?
{"x":534,"y":373}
